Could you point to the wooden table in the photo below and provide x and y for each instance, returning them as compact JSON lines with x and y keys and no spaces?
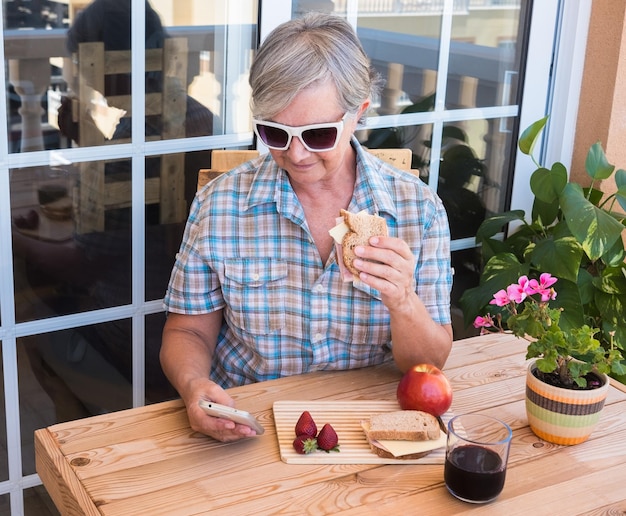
{"x":148,"y":461}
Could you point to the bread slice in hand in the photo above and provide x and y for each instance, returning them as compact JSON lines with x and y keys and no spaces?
{"x":361,"y":227}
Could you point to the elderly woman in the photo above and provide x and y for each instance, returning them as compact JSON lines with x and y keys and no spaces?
{"x":256,"y":292}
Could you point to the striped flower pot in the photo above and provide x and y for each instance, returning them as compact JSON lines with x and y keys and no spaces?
{"x":562,"y":416}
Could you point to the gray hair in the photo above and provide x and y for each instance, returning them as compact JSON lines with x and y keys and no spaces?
{"x":311,"y":49}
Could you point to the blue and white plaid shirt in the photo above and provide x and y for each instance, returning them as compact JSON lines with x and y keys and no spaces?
{"x":247,"y":250}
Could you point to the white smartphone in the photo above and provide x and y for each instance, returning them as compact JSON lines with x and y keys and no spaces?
{"x":238,"y":416}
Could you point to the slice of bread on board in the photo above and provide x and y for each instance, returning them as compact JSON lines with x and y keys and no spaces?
{"x":401,"y":425}
{"x":404,"y":425}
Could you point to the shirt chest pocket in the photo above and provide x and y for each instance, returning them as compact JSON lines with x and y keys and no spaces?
{"x":255,"y":290}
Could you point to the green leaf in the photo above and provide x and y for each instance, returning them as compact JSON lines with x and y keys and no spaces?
{"x":596,"y":163}
{"x":493,"y":225}
{"x":560,"y":257}
{"x":504,"y":269}
{"x":568,"y":298}
{"x":546,"y":184}
{"x":528,"y":139}
{"x":610,"y":295}
{"x":594,"y":195}
{"x":545,"y":213}
{"x":585,"y":286}
{"x":499,"y":272}
{"x":594,"y":229}
{"x":616,"y":255}
{"x":620,"y":181}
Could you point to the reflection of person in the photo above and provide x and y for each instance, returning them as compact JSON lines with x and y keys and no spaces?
{"x":109,"y":21}
{"x":256,"y":292}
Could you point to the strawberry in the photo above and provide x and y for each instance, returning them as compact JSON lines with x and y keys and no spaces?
{"x":306,"y":425}
{"x":327,"y":439}
{"x":304,"y":444}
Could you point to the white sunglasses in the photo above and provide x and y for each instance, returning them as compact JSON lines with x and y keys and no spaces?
{"x":314,"y":137}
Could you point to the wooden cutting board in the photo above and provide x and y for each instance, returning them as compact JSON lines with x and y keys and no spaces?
{"x":345,"y":417}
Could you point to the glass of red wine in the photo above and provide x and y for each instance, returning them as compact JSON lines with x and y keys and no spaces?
{"x":477,"y":452}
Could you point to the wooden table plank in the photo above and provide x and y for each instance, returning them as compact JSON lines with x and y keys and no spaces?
{"x":58,"y":477}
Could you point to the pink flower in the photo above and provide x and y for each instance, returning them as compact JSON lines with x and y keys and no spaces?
{"x":483,"y":322}
{"x":500,"y":298}
{"x":543,"y":287}
{"x":519,"y":291}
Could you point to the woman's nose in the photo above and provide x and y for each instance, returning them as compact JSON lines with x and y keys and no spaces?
{"x":297,"y":149}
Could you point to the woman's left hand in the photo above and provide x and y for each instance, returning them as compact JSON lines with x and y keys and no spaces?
{"x":390,"y":271}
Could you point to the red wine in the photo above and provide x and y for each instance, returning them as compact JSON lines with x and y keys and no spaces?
{"x":474,"y":473}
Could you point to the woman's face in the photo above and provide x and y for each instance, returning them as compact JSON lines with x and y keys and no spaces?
{"x":317,"y":104}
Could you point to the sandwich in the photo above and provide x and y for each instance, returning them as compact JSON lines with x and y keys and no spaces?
{"x":352,"y":230}
{"x":404,"y":434}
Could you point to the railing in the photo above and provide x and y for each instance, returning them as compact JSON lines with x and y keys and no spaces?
{"x":423,"y":7}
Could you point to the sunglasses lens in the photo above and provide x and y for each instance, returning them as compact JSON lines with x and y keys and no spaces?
{"x":273,"y":136}
{"x":321,"y":138}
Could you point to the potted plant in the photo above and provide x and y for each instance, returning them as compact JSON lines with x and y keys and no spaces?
{"x":568,"y":380}
{"x":574,"y":234}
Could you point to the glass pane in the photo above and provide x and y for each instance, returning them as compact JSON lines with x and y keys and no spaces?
{"x":70,"y":374}
{"x":4,"y":460}
{"x":96,"y":108}
{"x":475,"y":173}
{"x":157,"y":386}
{"x":217,"y":40}
{"x":404,"y":48}
{"x":71,"y":238}
{"x":414,"y":137}
{"x":37,"y":502}
{"x":166,"y":212}
{"x":5,"y":504}
{"x":485,"y":55}
{"x":467,"y":266}
{"x":37,"y":59}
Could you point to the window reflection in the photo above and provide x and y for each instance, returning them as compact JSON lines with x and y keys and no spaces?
{"x":466,"y":263}
{"x":165,"y":219}
{"x":484,"y":56}
{"x":70,"y":374}
{"x":57,"y":100}
{"x":4,"y":467}
{"x":59,"y":269}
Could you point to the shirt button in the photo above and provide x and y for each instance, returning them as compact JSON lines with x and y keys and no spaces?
{"x":319,"y":288}
{"x":318,"y":337}
{"x":255,"y":277}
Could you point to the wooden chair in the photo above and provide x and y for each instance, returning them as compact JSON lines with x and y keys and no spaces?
{"x":399,"y":158}
{"x":223,"y":161}
{"x":93,"y":112}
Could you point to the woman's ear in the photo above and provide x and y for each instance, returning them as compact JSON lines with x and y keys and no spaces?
{"x":364,"y":107}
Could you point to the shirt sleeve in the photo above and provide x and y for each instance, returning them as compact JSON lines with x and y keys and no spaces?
{"x":193,"y":287}
{"x":433,"y":271}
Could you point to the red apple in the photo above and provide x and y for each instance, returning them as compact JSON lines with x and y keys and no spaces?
{"x":424,"y":387}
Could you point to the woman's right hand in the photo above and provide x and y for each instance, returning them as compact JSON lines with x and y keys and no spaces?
{"x":219,"y":428}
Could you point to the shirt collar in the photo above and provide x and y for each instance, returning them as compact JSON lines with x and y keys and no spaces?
{"x":371,"y":191}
